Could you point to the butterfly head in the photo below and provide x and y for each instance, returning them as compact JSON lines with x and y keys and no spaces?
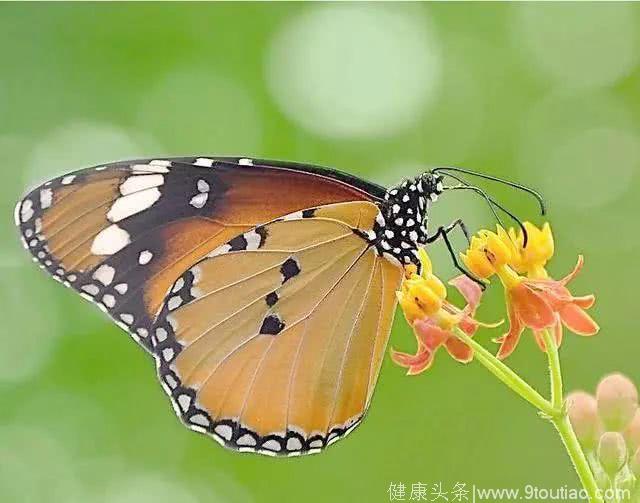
{"x":401,"y":227}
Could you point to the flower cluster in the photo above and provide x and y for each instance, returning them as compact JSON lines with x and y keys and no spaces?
{"x":534,"y":300}
{"x":423,"y":301}
{"x":608,"y":428}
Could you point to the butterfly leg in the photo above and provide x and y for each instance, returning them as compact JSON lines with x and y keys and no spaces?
{"x":443,"y":232}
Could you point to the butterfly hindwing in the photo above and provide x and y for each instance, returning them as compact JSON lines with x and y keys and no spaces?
{"x":122,"y":233}
{"x":273,"y":342}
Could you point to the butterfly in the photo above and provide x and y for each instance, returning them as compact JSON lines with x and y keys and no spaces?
{"x":264,"y":290}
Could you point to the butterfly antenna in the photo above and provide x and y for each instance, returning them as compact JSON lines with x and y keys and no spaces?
{"x":535,"y":194}
{"x":492,"y":203}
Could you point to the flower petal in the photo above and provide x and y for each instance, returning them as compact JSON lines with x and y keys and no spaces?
{"x":575,"y":271}
{"x":585,"y":301}
{"x":576,"y":320}
{"x":469,"y":289}
{"x":429,"y":334}
{"x":415,"y":364}
{"x":531,"y":307}
{"x":459,"y":350}
{"x":509,"y":341}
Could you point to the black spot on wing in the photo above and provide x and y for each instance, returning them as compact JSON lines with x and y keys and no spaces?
{"x":289,"y":269}
{"x":262,"y":232}
{"x":238,"y":243}
{"x":272,"y":325}
{"x":271,"y":299}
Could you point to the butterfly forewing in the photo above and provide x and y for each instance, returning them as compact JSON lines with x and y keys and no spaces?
{"x":121,"y":234}
{"x":276,"y":347}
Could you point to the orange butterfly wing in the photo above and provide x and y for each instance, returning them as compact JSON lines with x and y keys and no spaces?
{"x":274,"y":343}
{"x":122,"y":233}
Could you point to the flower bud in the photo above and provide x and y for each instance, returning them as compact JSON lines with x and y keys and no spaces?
{"x":583,"y":414}
{"x":612,"y":452}
{"x":632,"y":433}
{"x":617,"y":400}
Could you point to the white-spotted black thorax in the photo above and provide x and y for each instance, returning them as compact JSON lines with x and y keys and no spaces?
{"x":401,"y":226}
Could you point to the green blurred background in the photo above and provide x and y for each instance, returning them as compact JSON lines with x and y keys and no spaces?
{"x":546,"y":94}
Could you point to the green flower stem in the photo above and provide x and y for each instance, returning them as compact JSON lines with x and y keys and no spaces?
{"x":554,"y":369}
{"x":563,"y":425}
{"x":553,"y":410}
{"x":578,"y":458}
{"x":507,"y":376}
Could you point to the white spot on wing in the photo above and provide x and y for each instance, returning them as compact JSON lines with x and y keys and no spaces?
{"x":109,"y":300}
{"x":104,"y":274}
{"x":200,"y":419}
{"x":131,"y":204}
{"x":145,"y":257}
{"x":247,"y":440}
{"x":272,"y":445}
{"x":110,"y":240}
{"x":294,"y":444}
{"x":178,"y":285}
{"x":199,"y":200}
{"x":253,"y":240}
{"x":91,"y":289}
{"x":203,"y":161}
{"x":46,"y":198}
{"x":167,"y":354}
{"x":121,"y":288}
{"x":148,"y":168}
{"x":160,"y":162}
{"x":174,"y":302}
{"x":136,"y":183}
{"x":245,"y":162}
{"x":26,"y":210}
{"x":224,"y":430}
{"x":184,"y":401}
{"x":67,"y":179}
{"x":203,"y":186}
{"x":161,"y":334}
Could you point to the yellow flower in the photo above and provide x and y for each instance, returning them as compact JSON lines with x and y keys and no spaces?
{"x":421,"y":295}
{"x":423,"y":301}
{"x":488,"y":253}
{"x":532,"y":259}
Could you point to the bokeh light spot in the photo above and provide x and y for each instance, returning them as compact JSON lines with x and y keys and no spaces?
{"x":354,"y":71}
{"x":31,"y":321}
{"x":592,"y":168}
{"x":578,"y":44}
{"x":195,"y":111}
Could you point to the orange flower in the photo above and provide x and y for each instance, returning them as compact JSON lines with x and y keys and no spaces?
{"x":546,"y":304}
{"x":423,"y":300}
{"x":537,"y":301}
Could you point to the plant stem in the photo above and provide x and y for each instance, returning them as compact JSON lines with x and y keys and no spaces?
{"x":555,"y":374}
{"x":578,"y":458}
{"x":508,"y":376}
{"x":554,"y":410}
{"x":562,"y":423}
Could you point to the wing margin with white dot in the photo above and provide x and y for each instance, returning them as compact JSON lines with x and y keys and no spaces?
{"x":276,"y":348}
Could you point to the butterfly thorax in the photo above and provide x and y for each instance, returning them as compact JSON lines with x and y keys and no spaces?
{"x":401,"y":226}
